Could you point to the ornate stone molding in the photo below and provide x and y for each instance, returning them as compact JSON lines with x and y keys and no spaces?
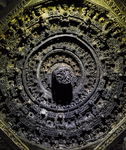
{"x":115,"y":8}
{"x":101,"y":61}
{"x":122,"y":5}
{"x":12,"y":136}
{"x":112,"y":135}
{"x":19,"y":8}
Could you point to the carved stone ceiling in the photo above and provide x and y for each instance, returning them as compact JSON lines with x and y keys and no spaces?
{"x":63,"y":74}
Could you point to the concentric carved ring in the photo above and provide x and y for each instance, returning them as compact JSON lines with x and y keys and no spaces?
{"x":79,"y":67}
{"x":63,"y":74}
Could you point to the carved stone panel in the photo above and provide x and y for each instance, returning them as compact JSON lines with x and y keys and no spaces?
{"x":63,"y":73}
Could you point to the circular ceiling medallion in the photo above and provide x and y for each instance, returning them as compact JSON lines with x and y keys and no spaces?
{"x":59,"y":51}
{"x":63,"y":76}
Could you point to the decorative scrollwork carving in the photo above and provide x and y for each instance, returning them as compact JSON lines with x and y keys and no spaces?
{"x":63,"y":74}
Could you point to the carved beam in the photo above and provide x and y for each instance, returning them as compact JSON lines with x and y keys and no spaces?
{"x":114,"y":136}
{"x":9,"y":137}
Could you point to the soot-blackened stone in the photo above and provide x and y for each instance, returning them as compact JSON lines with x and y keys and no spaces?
{"x":61,"y":85}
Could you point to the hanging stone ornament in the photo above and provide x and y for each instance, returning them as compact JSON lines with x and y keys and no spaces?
{"x":62,"y":72}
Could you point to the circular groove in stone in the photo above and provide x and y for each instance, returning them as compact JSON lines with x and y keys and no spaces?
{"x":47,"y":93}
